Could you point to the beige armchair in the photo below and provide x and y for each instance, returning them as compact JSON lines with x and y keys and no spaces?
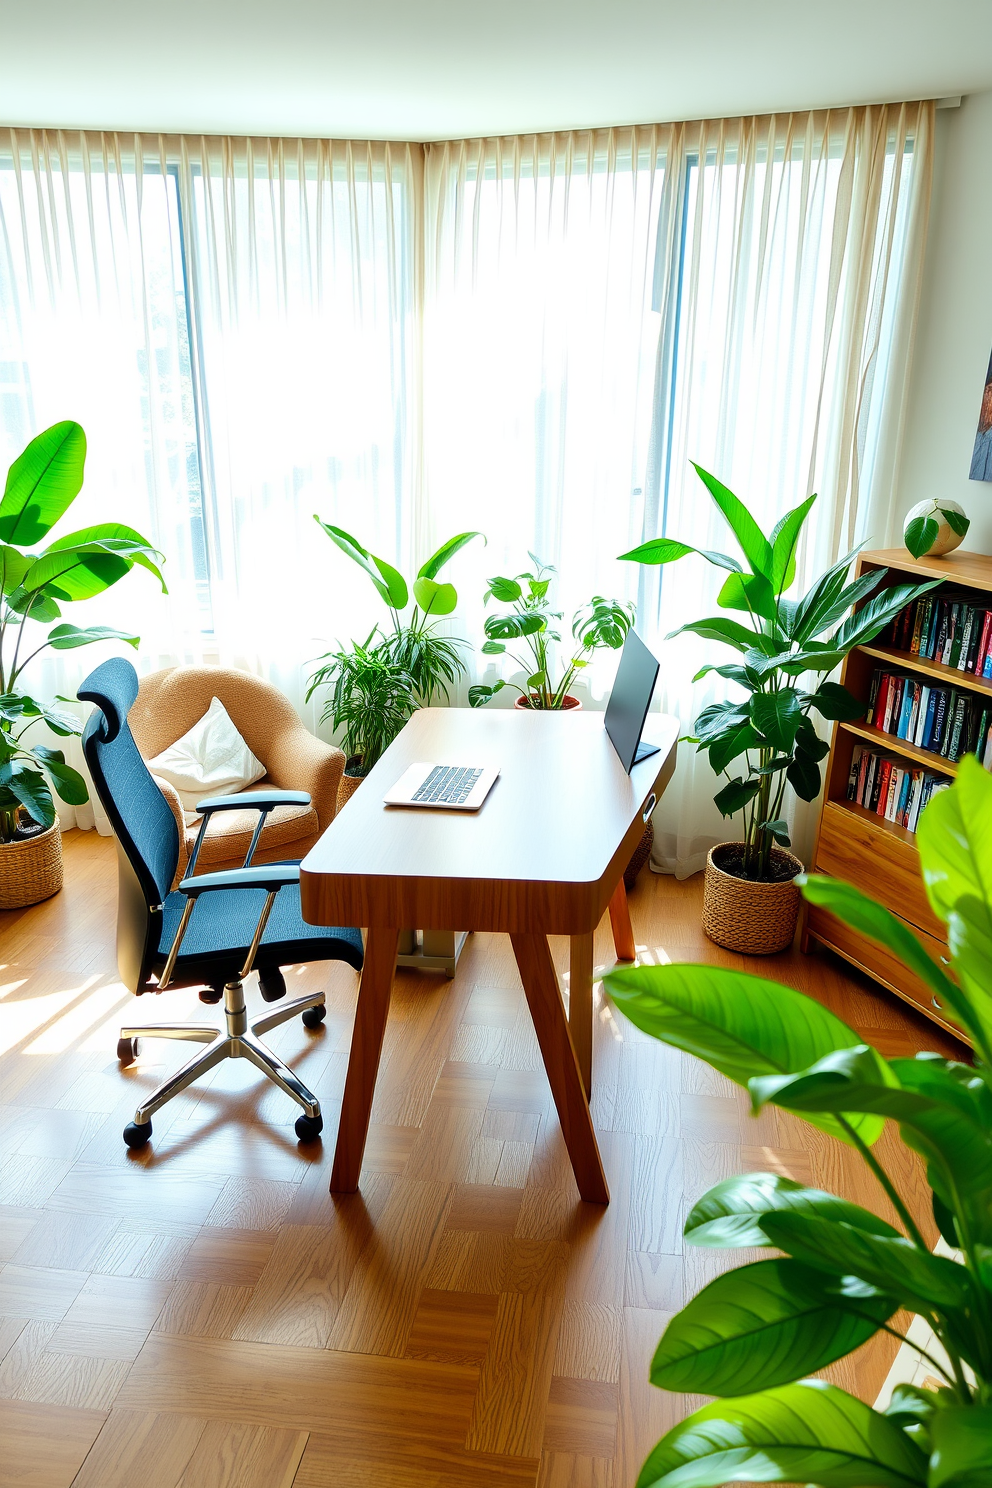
{"x":170,"y":702}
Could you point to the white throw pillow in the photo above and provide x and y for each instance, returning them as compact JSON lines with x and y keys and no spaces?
{"x":211,"y":759}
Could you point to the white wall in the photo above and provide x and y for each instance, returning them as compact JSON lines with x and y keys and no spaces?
{"x":955,"y":328}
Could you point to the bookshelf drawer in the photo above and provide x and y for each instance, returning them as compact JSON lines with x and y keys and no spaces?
{"x":864,"y":853}
{"x":879,"y":962}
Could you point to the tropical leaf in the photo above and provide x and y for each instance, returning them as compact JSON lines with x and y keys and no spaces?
{"x":730,"y":631}
{"x":68,"y":782}
{"x":433,"y":598}
{"x":777,"y":716}
{"x":962,"y":1447}
{"x":37,"y":605}
{"x":824,"y":592}
{"x":481,"y":694}
{"x":844,"y":601}
{"x":784,"y":537}
{"x":668,"y":550}
{"x":754,"y":545}
{"x":921,"y":534}
{"x":717,"y":718}
{"x":42,"y":483}
{"x":512,"y":627}
{"x":32,"y":791}
{"x":444,"y":554}
{"x":832,"y":700}
{"x":874,"y":615}
{"x":809,"y":1432}
{"x":730,"y":1214}
{"x":390,"y":585}
{"x":957,"y":521}
{"x":13,"y":567}
{"x":68,"y":637}
{"x":742,"y":1025}
{"x":751,"y":593}
{"x":729,"y":746}
{"x":735,"y":796}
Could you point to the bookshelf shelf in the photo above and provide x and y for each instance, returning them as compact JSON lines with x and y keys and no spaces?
{"x":880,"y":857}
{"x":894,"y":745}
{"x":907,"y":662}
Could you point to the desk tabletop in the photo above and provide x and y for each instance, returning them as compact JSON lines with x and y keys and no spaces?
{"x":543,"y":853}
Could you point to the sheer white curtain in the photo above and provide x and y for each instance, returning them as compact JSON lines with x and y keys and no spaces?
{"x":235,"y":324}
{"x":602,"y":308}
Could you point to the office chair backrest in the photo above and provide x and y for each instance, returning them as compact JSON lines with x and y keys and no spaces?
{"x":143,"y":823}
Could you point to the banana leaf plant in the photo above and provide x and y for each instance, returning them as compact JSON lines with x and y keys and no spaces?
{"x":413,"y":645}
{"x":41,"y":485}
{"x":842,"y":1273}
{"x":598,"y":624}
{"x":766,"y":741}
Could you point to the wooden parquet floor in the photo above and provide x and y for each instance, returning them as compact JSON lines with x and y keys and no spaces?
{"x":204,"y":1314}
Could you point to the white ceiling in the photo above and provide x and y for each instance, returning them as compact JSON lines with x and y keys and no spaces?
{"x":434,"y":69}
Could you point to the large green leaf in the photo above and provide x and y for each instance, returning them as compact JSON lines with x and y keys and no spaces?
{"x":730,"y":745}
{"x":890,"y":1262}
{"x":13,"y":567}
{"x":68,"y":782}
{"x":42,"y":483}
{"x":831,"y":700}
{"x":874,"y":615}
{"x":777,"y":716}
{"x":84,"y":563}
{"x":512,"y":627}
{"x":433,"y":598}
{"x":820,"y":596}
{"x":749,"y":592}
{"x":740,"y":1024}
{"x":446,"y":551}
{"x":37,"y":605}
{"x":754,"y":544}
{"x":31,"y":789}
{"x":735,"y":795}
{"x":840,"y":604}
{"x":962,"y":1447}
{"x":68,"y":637}
{"x":507,"y":591}
{"x":730,"y":1214}
{"x":783,"y":539}
{"x":719,"y":629}
{"x":954,"y":835}
{"x":809,"y":1432}
{"x":717,"y":719}
{"x":920,"y":535}
{"x":669,"y":550}
{"x":764,"y":1325}
{"x":390,"y":585}
{"x":863,"y":914}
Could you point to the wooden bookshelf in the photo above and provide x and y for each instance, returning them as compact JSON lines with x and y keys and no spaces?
{"x":878,"y":856}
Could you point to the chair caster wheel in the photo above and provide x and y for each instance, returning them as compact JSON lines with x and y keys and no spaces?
{"x":127,"y":1050}
{"x":313,"y":1017}
{"x":137,"y":1136}
{"x":272,"y":985}
{"x":309,"y":1128}
{"x":211,"y":995}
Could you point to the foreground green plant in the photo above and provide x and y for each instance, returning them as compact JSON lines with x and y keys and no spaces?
{"x":769,"y":736}
{"x":41,"y":485}
{"x":602,"y":623}
{"x":414,"y":645}
{"x":751,"y":1335}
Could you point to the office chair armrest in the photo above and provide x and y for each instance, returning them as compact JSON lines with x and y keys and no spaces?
{"x":270,"y":876}
{"x":253,"y":800}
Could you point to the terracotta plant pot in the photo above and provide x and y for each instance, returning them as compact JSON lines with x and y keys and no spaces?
{"x":756,"y":919}
{"x":569,"y":704}
{"x":31,"y":869}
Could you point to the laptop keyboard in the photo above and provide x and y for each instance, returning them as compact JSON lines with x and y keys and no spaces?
{"x":447,"y":785}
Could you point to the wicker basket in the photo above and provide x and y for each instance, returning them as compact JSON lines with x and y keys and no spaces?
{"x":31,"y":870}
{"x":347,"y":787}
{"x":756,"y":919}
{"x":639,"y":857}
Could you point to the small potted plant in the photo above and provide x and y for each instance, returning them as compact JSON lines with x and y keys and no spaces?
{"x":765,"y":742}
{"x":600,"y":623}
{"x":371,"y":698}
{"x":41,"y":485}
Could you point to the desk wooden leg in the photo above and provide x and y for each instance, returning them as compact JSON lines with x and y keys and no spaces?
{"x":580,"y":969}
{"x":363,"y":1064}
{"x":623,"y":932}
{"x":537,"y":972}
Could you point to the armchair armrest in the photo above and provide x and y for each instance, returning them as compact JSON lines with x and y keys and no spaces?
{"x":270,"y":876}
{"x":253,"y":801}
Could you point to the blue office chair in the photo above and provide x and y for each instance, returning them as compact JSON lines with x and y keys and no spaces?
{"x":215,"y":928}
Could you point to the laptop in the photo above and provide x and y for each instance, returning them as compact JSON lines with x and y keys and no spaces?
{"x":443,"y":787}
{"x":629,"y":702}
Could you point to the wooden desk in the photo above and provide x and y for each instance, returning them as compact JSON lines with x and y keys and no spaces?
{"x":544,"y":856}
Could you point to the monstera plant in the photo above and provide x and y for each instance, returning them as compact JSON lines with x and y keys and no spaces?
{"x":756,"y":1334}
{"x":34,"y":585}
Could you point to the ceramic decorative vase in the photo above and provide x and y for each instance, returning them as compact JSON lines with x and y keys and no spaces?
{"x":933,"y":528}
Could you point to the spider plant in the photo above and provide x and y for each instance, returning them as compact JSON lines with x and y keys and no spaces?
{"x":371,"y":698}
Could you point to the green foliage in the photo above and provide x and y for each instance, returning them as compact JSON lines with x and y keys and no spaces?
{"x":921,"y":532}
{"x":414,"y":645}
{"x":600,"y":624}
{"x":769,"y":737}
{"x":41,"y":485}
{"x":749,"y":1336}
{"x":371,"y":698}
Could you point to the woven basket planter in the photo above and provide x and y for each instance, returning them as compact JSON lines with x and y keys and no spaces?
{"x":639,"y":857}
{"x":756,"y":919}
{"x":31,"y":870}
{"x":347,"y":787}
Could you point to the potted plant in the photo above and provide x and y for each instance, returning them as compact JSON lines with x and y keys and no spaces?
{"x":600,"y":623}
{"x":41,"y":485}
{"x":754,"y":1336}
{"x":371,"y":698}
{"x":765,"y":742}
{"x":416,"y":645}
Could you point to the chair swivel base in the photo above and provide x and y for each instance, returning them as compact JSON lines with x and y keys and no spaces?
{"x":239,"y":1039}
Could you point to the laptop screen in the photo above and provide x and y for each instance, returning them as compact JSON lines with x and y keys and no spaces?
{"x":631,"y":698}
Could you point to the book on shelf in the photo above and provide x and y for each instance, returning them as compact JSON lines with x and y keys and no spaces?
{"x":946,"y":720}
{"x":890,"y":787}
{"x":947,"y":627}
